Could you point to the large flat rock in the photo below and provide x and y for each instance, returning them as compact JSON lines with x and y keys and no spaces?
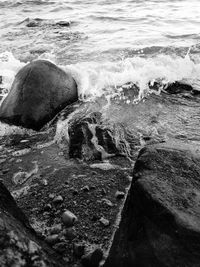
{"x":160,"y":223}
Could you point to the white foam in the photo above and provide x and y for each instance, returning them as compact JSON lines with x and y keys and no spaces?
{"x":9,"y":66}
{"x":97,"y":79}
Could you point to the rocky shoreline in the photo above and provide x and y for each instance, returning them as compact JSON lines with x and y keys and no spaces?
{"x":81,"y":201}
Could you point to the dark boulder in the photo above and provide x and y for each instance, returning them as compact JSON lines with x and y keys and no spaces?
{"x":40,"y":90}
{"x":160,"y":223}
{"x":19,"y":244}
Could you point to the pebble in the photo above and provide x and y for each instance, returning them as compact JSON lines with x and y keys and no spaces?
{"x":51,"y":196}
{"x":79,"y":249}
{"x":58,"y":199}
{"x":44,"y":182}
{"x":104,"y":221}
{"x":52,"y":239}
{"x":93,"y":258}
{"x":85,"y":188}
{"x":119,"y":194}
{"x":2,"y":160}
{"x":68,"y":218}
{"x":107,"y":202}
{"x":103,"y":191}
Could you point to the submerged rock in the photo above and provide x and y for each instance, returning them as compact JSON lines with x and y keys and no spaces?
{"x":40,"y":90}
{"x":89,"y":139}
{"x":160,"y":223}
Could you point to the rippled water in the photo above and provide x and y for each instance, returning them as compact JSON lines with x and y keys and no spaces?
{"x":106,"y":44}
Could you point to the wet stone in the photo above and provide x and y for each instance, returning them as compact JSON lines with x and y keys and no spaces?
{"x":58,"y":199}
{"x":107,"y":202}
{"x":68,"y":218}
{"x":119,"y":194}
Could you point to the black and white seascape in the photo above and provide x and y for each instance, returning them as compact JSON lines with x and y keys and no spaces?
{"x":99,"y":133}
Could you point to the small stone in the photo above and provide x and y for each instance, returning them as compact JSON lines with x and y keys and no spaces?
{"x":24,"y":141}
{"x":58,"y":199}
{"x":103,"y":191}
{"x":68,"y":218}
{"x":104,"y":221}
{"x":51,"y":196}
{"x":56,"y":229}
{"x":47,"y":207}
{"x":79,"y":249}
{"x":18,"y":160}
{"x":93,"y":258}
{"x":107,"y":202}
{"x":52,"y":239}
{"x":44,"y":182}
{"x":85,"y":188}
{"x":2,"y":160}
{"x":119,"y":194}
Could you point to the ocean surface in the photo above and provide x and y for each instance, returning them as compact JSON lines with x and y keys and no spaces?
{"x":113,"y":49}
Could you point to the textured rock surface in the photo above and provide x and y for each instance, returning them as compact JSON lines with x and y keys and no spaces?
{"x":19,"y":245}
{"x":160,"y":223}
{"x":39,"y":91}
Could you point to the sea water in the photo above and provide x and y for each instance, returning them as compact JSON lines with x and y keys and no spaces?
{"x":108,"y":46}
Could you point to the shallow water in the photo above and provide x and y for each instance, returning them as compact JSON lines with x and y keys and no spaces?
{"x":108,"y":44}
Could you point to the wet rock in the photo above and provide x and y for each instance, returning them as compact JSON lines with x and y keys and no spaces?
{"x":119,"y":194}
{"x":58,"y":200}
{"x":46,"y":90}
{"x":93,"y":258}
{"x":160,"y":220}
{"x":104,"y":221}
{"x":68,"y":218}
{"x":82,"y":134}
{"x":63,"y":23}
{"x":178,"y":87}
